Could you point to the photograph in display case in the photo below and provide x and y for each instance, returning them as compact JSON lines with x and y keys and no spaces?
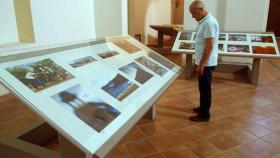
{"x":186,"y":36}
{"x":221,"y":47}
{"x":237,"y":37}
{"x":261,"y":38}
{"x":40,"y":75}
{"x":160,"y":59}
{"x":107,"y":54}
{"x":87,"y":106}
{"x":156,"y":68}
{"x":185,"y":45}
{"x":238,"y":48}
{"x":82,"y":61}
{"x":222,"y":37}
{"x":119,"y":87}
{"x":127,"y":46}
{"x":135,"y":71}
{"x":264,"y":50}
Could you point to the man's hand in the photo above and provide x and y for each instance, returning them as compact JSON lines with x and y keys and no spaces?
{"x":199,"y":70}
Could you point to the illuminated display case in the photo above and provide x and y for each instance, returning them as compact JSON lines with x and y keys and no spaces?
{"x":91,"y":92}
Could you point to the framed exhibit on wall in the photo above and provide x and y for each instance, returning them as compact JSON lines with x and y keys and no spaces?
{"x":91,"y":92}
{"x":262,"y":45}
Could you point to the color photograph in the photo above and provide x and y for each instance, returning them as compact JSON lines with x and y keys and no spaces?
{"x":261,"y":39}
{"x":119,"y":87}
{"x":107,"y":54}
{"x":81,"y":62}
{"x":186,"y":36}
{"x":264,"y":50}
{"x":237,"y":37}
{"x":86,"y":106}
{"x":156,"y":68}
{"x":222,"y":37}
{"x":185,"y":45}
{"x":127,"y":46}
{"x":40,"y":75}
{"x":238,"y":48}
{"x":135,"y":71}
{"x":221,"y":47}
{"x":160,"y":59}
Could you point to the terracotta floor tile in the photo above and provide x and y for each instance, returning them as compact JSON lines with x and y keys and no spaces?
{"x":203,"y":148}
{"x":154,"y":156}
{"x":261,"y":148}
{"x":173,"y":124}
{"x":119,"y":151}
{"x":223,"y":142}
{"x":140,"y":148}
{"x":134,"y":134}
{"x":187,"y":135}
{"x":240,"y":135}
{"x":166,"y":141}
{"x":222,"y":155}
{"x":241,"y":152}
{"x":179,"y":152}
{"x":152,"y":129}
{"x":273,"y":138}
{"x":257,"y":130}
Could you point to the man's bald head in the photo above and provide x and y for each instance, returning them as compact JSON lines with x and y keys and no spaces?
{"x":197,"y":4}
{"x":198,"y":10}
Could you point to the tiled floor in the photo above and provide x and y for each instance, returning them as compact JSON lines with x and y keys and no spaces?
{"x":245,"y":120}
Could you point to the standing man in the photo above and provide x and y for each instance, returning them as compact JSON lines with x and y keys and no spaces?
{"x":206,"y":56}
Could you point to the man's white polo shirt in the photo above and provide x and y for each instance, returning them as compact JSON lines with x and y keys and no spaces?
{"x":208,"y":27}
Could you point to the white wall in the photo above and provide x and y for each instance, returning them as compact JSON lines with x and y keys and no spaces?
{"x":109,"y":18}
{"x":60,"y":21}
{"x":148,"y":12}
{"x":8,"y":26}
{"x":248,"y":15}
{"x":234,"y":15}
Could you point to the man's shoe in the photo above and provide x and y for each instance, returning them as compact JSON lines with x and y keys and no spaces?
{"x":196,"y":109}
{"x":199,"y":118}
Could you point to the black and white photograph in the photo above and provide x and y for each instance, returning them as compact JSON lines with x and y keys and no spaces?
{"x":135,"y":71}
{"x":186,"y":36}
{"x":82,"y":61}
{"x":87,"y":106}
{"x":160,"y":59}
{"x":156,"y":68}
{"x":107,"y":54}
{"x":237,"y":37}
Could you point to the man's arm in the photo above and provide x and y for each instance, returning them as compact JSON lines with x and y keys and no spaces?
{"x":209,"y":42}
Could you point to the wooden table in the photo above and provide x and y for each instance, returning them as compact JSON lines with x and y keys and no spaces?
{"x":170,"y":30}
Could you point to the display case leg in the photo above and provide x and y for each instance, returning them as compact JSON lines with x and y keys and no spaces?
{"x":68,"y":150}
{"x":190,"y":67}
{"x":254,"y":73}
{"x":151,"y":114}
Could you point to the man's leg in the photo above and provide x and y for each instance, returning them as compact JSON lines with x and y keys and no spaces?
{"x":205,"y":92}
{"x":205,"y":95}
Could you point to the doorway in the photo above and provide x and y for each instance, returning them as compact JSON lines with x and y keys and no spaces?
{"x":177,"y":12}
{"x":273,"y":23}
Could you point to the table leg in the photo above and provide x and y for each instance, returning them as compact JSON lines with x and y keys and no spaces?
{"x":189,"y":66}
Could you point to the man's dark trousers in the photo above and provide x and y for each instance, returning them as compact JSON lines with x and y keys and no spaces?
{"x":205,"y":91}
